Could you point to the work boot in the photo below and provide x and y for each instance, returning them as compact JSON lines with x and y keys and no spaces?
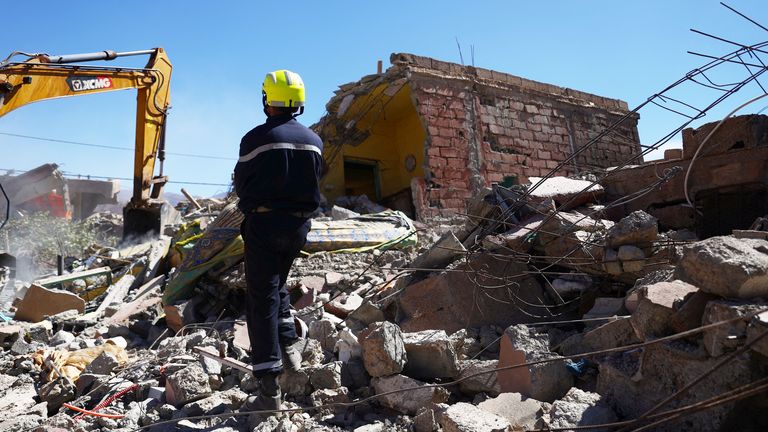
{"x":291,"y":355}
{"x":269,"y":397}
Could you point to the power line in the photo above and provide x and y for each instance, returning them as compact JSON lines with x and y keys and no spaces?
{"x":60,"y":141}
{"x":89,"y":176}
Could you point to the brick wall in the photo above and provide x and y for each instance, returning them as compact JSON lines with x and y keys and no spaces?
{"x":480,"y":131}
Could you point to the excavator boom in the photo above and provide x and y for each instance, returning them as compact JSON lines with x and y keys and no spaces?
{"x":42,"y":77}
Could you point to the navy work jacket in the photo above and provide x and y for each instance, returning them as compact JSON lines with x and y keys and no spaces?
{"x":279,"y":167}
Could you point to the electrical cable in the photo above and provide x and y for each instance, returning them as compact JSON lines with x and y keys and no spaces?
{"x":109,"y":147}
{"x":7,"y":206}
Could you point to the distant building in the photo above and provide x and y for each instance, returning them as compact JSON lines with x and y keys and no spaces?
{"x":426,"y":135}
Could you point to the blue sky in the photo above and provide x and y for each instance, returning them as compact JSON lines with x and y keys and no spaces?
{"x":221,"y":51}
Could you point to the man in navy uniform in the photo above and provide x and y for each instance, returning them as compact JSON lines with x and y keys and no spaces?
{"x":277,"y":180}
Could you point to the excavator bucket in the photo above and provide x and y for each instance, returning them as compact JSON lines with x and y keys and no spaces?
{"x":147,"y":221}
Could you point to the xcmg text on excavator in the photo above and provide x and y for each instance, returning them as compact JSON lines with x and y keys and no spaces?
{"x":41,"y":76}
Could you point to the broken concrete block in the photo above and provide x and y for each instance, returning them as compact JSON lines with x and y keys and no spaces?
{"x":40,"y":302}
{"x":656,"y":306}
{"x":632,"y":258}
{"x":61,"y":337}
{"x":103,"y":364}
{"x":726,"y":266}
{"x":484,"y":383}
{"x":725,"y":338}
{"x":605,"y":307}
{"x":690,"y":314}
{"x":333,"y":279}
{"x":343,"y":305}
{"x":411,"y":401}
{"x":521,"y":412}
{"x":756,"y":329}
{"x":612,"y":334}
{"x":329,"y":396}
{"x":341,"y":213}
{"x":187,"y":385}
{"x":571,"y":284}
{"x":295,"y":383}
{"x":56,"y":393}
{"x":365,"y":315}
{"x":425,"y":421}
{"x":10,"y":333}
{"x":315,"y":283}
{"x":580,"y":408}
{"x":611,"y":263}
{"x":464,"y":417}
{"x":324,"y":331}
{"x":327,"y":376}
{"x":348,"y":346}
{"x":442,"y":253}
{"x":544,"y":381}
{"x":217,"y":403}
{"x":567,"y":193}
{"x":520,"y":238}
{"x":450,"y":302}
{"x":639,"y":229}
{"x":430,"y":355}
{"x":383,"y":349}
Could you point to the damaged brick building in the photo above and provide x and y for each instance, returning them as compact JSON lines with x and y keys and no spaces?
{"x":426,"y":135}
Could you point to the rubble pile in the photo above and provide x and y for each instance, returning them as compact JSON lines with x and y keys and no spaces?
{"x":520,"y":317}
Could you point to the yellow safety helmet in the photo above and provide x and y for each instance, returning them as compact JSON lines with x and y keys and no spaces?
{"x":283,"y":88}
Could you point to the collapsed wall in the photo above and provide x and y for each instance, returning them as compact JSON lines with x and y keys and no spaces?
{"x":440,"y":132}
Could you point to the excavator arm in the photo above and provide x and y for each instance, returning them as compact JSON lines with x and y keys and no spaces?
{"x":41,"y":77}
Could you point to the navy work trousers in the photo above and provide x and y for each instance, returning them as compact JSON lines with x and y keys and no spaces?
{"x":272,"y":241}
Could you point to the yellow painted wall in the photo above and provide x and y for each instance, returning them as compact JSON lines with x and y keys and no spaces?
{"x":395,"y":132}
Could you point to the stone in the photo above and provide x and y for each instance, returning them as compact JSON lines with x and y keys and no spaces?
{"x":367,"y":314}
{"x":330,"y":396}
{"x":485,"y":383}
{"x":611,"y":263}
{"x":521,"y":412}
{"x":341,"y":213}
{"x":61,"y":337}
{"x":638,"y":228}
{"x":546,"y":381}
{"x":348,"y":347}
{"x":634,"y":382}
{"x":216,"y":403}
{"x":567,"y":193}
{"x":430,"y":355}
{"x":343,"y":305}
{"x":464,"y":417}
{"x":725,"y":338}
{"x":187,"y":385}
{"x":632,"y":258}
{"x":425,"y":421}
{"x":757,"y":329}
{"x":690,"y":314}
{"x":383,"y":349}
{"x":606,"y":307}
{"x":655,"y":307}
{"x":9,"y":332}
{"x":325,"y":332}
{"x":40,"y":302}
{"x":612,"y":334}
{"x":295,"y":383}
{"x":726,"y":266}
{"x":449,"y":301}
{"x":571,"y":285}
{"x":315,"y":283}
{"x":354,"y":375}
{"x":408,"y":402}
{"x":103,"y":364}
{"x":580,"y":408}
{"x":327,"y":376}
{"x":443,"y":252}
{"x":333,"y":279}
{"x":56,"y":393}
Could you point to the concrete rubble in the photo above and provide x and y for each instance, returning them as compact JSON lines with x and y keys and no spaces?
{"x":545,"y":307}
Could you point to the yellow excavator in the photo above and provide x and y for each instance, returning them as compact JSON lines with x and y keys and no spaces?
{"x":41,"y":76}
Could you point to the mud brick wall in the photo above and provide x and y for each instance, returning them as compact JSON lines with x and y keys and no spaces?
{"x":483,"y":126}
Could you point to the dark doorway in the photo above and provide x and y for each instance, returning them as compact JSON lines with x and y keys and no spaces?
{"x":730,"y":208}
{"x":362,"y":178}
